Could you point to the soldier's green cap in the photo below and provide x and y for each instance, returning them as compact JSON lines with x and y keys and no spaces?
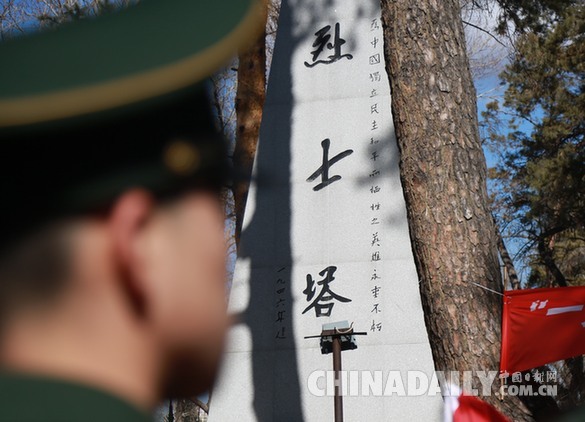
{"x":97,"y":106}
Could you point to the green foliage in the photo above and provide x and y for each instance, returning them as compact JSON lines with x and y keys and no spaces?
{"x":540,"y":135}
{"x":531,"y":15}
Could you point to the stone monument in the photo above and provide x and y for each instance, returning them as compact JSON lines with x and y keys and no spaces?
{"x":325,"y":234}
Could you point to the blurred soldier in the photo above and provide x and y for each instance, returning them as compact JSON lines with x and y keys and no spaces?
{"x":112,"y":248}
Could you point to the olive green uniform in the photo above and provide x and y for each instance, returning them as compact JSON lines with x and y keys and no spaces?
{"x":30,"y":398}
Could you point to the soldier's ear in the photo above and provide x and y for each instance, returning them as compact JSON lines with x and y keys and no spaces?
{"x":127,"y":219}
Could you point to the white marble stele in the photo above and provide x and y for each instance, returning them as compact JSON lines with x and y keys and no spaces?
{"x":327,"y":82}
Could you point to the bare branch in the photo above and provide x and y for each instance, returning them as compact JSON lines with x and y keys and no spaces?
{"x":484,"y":31}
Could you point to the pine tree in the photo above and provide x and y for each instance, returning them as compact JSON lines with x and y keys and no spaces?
{"x":541,"y":177}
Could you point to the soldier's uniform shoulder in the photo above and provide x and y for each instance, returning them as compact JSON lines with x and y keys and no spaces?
{"x":27,"y":398}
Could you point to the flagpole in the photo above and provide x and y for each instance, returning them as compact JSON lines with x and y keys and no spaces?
{"x":337,"y":370}
{"x":335,"y":340}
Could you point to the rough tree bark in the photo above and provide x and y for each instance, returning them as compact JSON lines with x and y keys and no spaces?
{"x":443,"y":173}
{"x":189,"y":410}
{"x":250,"y":96}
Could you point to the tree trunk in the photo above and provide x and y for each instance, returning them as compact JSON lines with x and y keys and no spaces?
{"x":250,"y":96}
{"x":511,"y":273}
{"x":186,"y":410}
{"x":546,"y":254}
{"x":443,"y":172}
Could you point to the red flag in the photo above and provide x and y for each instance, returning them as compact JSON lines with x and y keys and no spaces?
{"x":540,"y":326}
{"x":464,"y":408}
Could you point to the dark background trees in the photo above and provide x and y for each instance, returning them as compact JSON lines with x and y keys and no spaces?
{"x":19,"y":16}
{"x":539,"y":131}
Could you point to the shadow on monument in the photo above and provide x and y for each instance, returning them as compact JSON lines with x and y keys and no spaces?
{"x":266,"y":243}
